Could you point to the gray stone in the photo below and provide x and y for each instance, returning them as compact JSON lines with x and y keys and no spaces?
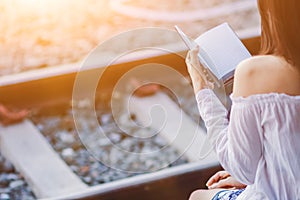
{"x":68,"y":154}
{"x":16,"y":184}
{"x":105,"y":118}
{"x":115,"y":137}
{"x":87,"y":179}
{"x":104,"y":142}
{"x":4,"y":196}
{"x":66,"y":137}
{"x":129,"y":147}
{"x":40,"y":127}
{"x":12,"y":177}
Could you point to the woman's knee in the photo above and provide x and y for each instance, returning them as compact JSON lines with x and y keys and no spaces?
{"x":204,"y":194}
{"x":197,"y":195}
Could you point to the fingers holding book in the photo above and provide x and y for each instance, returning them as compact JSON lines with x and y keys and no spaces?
{"x":199,"y":74}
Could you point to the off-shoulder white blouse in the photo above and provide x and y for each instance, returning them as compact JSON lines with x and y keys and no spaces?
{"x":260,"y":144}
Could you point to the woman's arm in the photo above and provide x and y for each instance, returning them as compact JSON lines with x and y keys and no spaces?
{"x":237,"y":143}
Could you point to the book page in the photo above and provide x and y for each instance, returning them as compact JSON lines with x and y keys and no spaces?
{"x":222,"y":50}
{"x":191,"y":44}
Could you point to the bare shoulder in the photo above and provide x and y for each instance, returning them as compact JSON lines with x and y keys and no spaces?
{"x":257,"y":65}
{"x":265,"y":74}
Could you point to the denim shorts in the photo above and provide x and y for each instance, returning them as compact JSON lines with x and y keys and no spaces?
{"x":228,"y":194}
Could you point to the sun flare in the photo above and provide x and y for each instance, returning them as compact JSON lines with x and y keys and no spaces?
{"x":40,"y":6}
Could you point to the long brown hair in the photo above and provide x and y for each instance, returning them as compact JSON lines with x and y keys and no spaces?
{"x":280,"y":21}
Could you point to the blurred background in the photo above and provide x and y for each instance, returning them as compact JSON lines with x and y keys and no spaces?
{"x":42,"y":33}
{"x":59,"y":34}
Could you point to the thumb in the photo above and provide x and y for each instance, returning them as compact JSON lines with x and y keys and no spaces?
{"x":188,"y":58}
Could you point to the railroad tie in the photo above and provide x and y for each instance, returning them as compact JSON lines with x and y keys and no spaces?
{"x":31,"y":154}
{"x":162,"y":114}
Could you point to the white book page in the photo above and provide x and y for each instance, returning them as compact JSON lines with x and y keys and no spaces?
{"x":191,"y":44}
{"x":222,"y":50}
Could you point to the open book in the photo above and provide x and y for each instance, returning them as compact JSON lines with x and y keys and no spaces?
{"x":220,"y":51}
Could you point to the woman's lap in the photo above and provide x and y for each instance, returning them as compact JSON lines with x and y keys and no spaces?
{"x":215,"y":194}
{"x":228,"y":194}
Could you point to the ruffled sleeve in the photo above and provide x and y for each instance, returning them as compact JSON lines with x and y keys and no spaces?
{"x":237,"y":142}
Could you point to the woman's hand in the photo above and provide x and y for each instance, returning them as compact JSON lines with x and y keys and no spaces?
{"x":223,"y":179}
{"x":197,"y":72}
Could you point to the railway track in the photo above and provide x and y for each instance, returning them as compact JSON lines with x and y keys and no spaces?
{"x":182,"y":16}
{"x":50,"y":177}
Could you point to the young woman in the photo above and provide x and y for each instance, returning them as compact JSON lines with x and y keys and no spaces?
{"x":259,"y":146}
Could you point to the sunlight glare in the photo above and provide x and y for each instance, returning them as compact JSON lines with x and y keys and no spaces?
{"x":39,"y":6}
